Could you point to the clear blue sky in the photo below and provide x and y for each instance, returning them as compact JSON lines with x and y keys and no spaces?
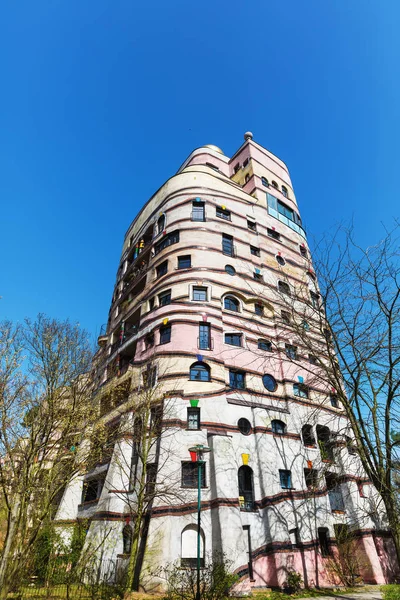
{"x":102,"y":101}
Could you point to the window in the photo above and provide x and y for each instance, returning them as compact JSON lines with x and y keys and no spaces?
{"x":127,"y":535}
{"x":151,"y":304}
{"x":291,"y":351}
{"x":307,"y":435}
{"x":251,"y":225}
{"x":300,"y":390}
{"x":199,"y":294}
{"x":168,"y":240}
{"x":324,"y":443}
{"x":92,"y":489}
{"x":311,"y":478}
{"x":314,"y":299}
{"x":278,"y":427}
{"x":257,"y":276}
{"x":156,"y":414}
{"x":285,"y":478}
{"x":305,"y":326}
{"x":254,"y":251}
{"x":234,"y":339}
{"x":231,"y":303}
{"x":212,"y":166}
{"x":312,"y":359}
{"x":151,"y":476}
{"x":236,"y":379}
{"x":189,"y":547}
{"x":193,"y":418}
{"x":303,"y":251}
{"x":149,"y":377}
{"x":246,"y":178}
{"x":273,"y":234}
{"x":311,"y":276}
{"x":285,"y":316}
{"x":189,"y":475}
{"x":160,"y":224}
{"x":199,"y":372}
{"x":269,"y":382}
{"x":198,"y":211}
{"x":164,"y":298}
{"x":275,"y":185}
{"x":162,"y":269}
{"x":323,"y":540}
{"x":222,"y":213}
{"x":334,"y":400}
{"x":327,"y":335}
{"x":285,"y":191}
{"x":264,"y":345}
{"x":258,"y":309}
{"x":204,"y":336}
{"x":246,"y":492}
{"x":351,"y":447}
{"x":149,"y":340}
{"x":227,"y":244}
{"x":236,"y":168}
{"x":334,"y":493}
{"x":184,"y":262}
{"x":264,"y":181}
{"x":230,"y":270}
{"x":280,"y":260}
{"x":165,"y":334}
{"x":294,"y":537}
{"x":245,"y":162}
{"x":244,"y":426}
{"x":286,"y":211}
{"x":284,"y":288}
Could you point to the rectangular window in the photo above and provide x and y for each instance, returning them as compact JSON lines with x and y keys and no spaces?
{"x":257,"y":276}
{"x":311,"y":477}
{"x":162,"y":269}
{"x":291,"y":351}
{"x":151,"y":475}
{"x":334,"y":493}
{"x":285,"y":316}
{"x":323,"y":540}
{"x":227,"y":244}
{"x":168,"y":240}
{"x":300,"y":390}
{"x":204,"y":336}
{"x":198,"y":211}
{"x":254,"y":251}
{"x":251,"y":225}
{"x":222,"y":213}
{"x":184,"y":262}
{"x":286,"y":211}
{"x":193,"y":418}
{"x":265,"y":345}
{"x":92,"y":489}
{"x":165,"y":334}
{"x":236,"y":379}
{"x":190,"y":475}
{"x":234,"y":339}
{"x":259,"y":309}
{"x":199,"y":294}
{"x":164,"y":298}
{"x":236,"y":168}
{"x":312,"y":359}
{"x":151,"y":303}
{"x":149,"y":340}
{"x":334,"y":401}
{"x":294,"y":537}
{"x":285,"y":479}
{"x":212,"y":166}
{"x":314,"y":299}
{"x":149,"y":377}
{"x":273,"y":234}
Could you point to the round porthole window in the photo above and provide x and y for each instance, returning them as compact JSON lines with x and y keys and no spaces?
{"x":244,"y":426}
{"x":269,"y":383}
{"x":230,"y":270}
{"x":280,"y":260}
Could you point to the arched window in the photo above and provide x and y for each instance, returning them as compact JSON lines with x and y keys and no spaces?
{"x":230,"y":270}
{"x":275,"y":185}
{"x":189,"y":547}
{"x":264,"y":181}
{"x":285,"y":191}
{"x":278,"y":427}
{"x":160,"y":224}
{"x":244,"y":426}
{"x":231,"y":303}
{"x":308,"y":435}
{"x":284,"y":288}
{"x":324,"y":442}
{"x":199,"y":372}
{"x":127,"y":533}
{"x":246,"y":493}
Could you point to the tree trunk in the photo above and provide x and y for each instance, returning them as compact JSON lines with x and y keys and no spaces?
{"x":7,"y":554}
{"x":394,"y":522}
{"x":134,"y":553}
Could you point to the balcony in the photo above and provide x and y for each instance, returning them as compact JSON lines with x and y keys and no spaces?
{"x":102,"y":337}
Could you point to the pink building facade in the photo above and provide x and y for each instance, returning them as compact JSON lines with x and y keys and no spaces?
{"x":197,"y":312}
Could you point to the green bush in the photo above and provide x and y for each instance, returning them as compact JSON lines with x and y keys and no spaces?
{"x":390,"y":592}
{"x":294,"y":581}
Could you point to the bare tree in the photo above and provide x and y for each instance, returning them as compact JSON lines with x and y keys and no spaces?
{"x":44,"y":406}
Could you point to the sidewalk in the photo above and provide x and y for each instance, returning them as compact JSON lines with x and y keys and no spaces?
{"x":374,"y":594}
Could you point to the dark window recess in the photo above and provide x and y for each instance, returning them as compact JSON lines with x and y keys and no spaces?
{"x":168,"y":240}
{"x":269,"y":382}
{"x":151,"y":303}
{"x":151,"y":476}
{"x":254,"y":251}
{"x":258,"y":309}
{"x":212,"y":166}
{"x":156,"y":413}
{"x":280,"y":260}
{"x":234,"y":339}
{"x":246,"y":488}
{"x":204,"y":336}
{"x":308,"y":435}
{"x":265,"y":345}
{"x":278,"y":427}
{"x":92,"y":490}
{"x":284,"y":288}
{"x":244,"y":426}
{"x":198,"y":211}
{"x":285,"y":478}
{"x":247,"y":177}
{"x":245,"y":162}
{"x":200,"y":294}
{"x":285,"y":191}
{"x":127,"y":536}
{"x":303,"y":251}
{"x":162,"y":269}
{"x":291,"y":351}
{"x":350,"y":445}
{"x":325,"y":443}
{"x":295,"y":537}
{"x":300,"y":390}
{"x":231,"y":303}
{"x":199,"y":372}
{"x":149,"y":340}
{"x":274,"y":184}
{"x":230,"y":270}
{"x":236,"y":168}
{"x":314,"y":299}
{"x":323,"y":540}
{"x":222,"y":213}
{"x":165,"y":334}
{"x":257,"y":276}
{"x":311,"y":478}
{"x":193,"y":418}
{"x":312,"y":359}
{"x":149,"y":377}
{"x":251,"y":225}
{"x":164,"y":298}
{"x":237,"y":379}
{"x":161,"y":224}
{"x":264,"y":181}
{"x":227,"y":244}
{"x":285,"y":316}
{"x":190,"y":475}
{"x":334,"y":400}
{"x":184,"y":262}
{"x":273,"y":234}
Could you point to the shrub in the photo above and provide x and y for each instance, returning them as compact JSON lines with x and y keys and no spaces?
{"x":391,"y":592}
{"x":294,"y":581}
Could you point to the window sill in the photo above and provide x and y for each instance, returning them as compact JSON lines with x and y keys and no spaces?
{"x":338,"y":512}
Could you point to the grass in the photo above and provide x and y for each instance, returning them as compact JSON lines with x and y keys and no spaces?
{"x":390,"y":592}
{"x":311,"y":593}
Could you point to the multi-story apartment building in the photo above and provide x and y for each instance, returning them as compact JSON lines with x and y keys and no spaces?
{"x":200,"y":313}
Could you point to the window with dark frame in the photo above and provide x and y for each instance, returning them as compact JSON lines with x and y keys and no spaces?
{"x":278,"y":427}
{"x":273,"y":234}
{"x":285,"y":316}
{"x":234,"y":339}
{"x":198,"y":211}
{"x":284,"y":288}
{"x":303,"y":251}
{"x":257,"y":276}
{"x":223,"y":213}
{"x":230,"y":270}
{"x":165,"y":334}
{"x":200,"y":372}
{"x":291,"y":351}
{"x":199,"y":294}
{"x":264,"y":181}
{"x":308,"y":435}
{"x":149,"y":340}
{"x":237,"y":379}
{"x":334,"y":400}
{"x":184,"y":262}
{"x":231,"y":303}
{"x":168,"y":240}
{"x":164,"y":298}
{"x":285,"y":477}
{"x":190,"y":475}
{"x":227,"y":245}
{"x":204,"y":336}
{"x":314,"y":299}
{"x":264,"y":345}
{"x":311,"y":478}
{"x":151,"y":476}
{"x":312,"y":359}
{"x":259,"y":309}
{"x":254,"y":251}
{"x":244,"y":426}
{"x":323,"y":540}
{"x":251,"y":225}
{"x":160,"y":224}
{"x":246,"y":488}
{"x":193,"y":418}
{"x":162,"y":269}
{"x":300,"y":390}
